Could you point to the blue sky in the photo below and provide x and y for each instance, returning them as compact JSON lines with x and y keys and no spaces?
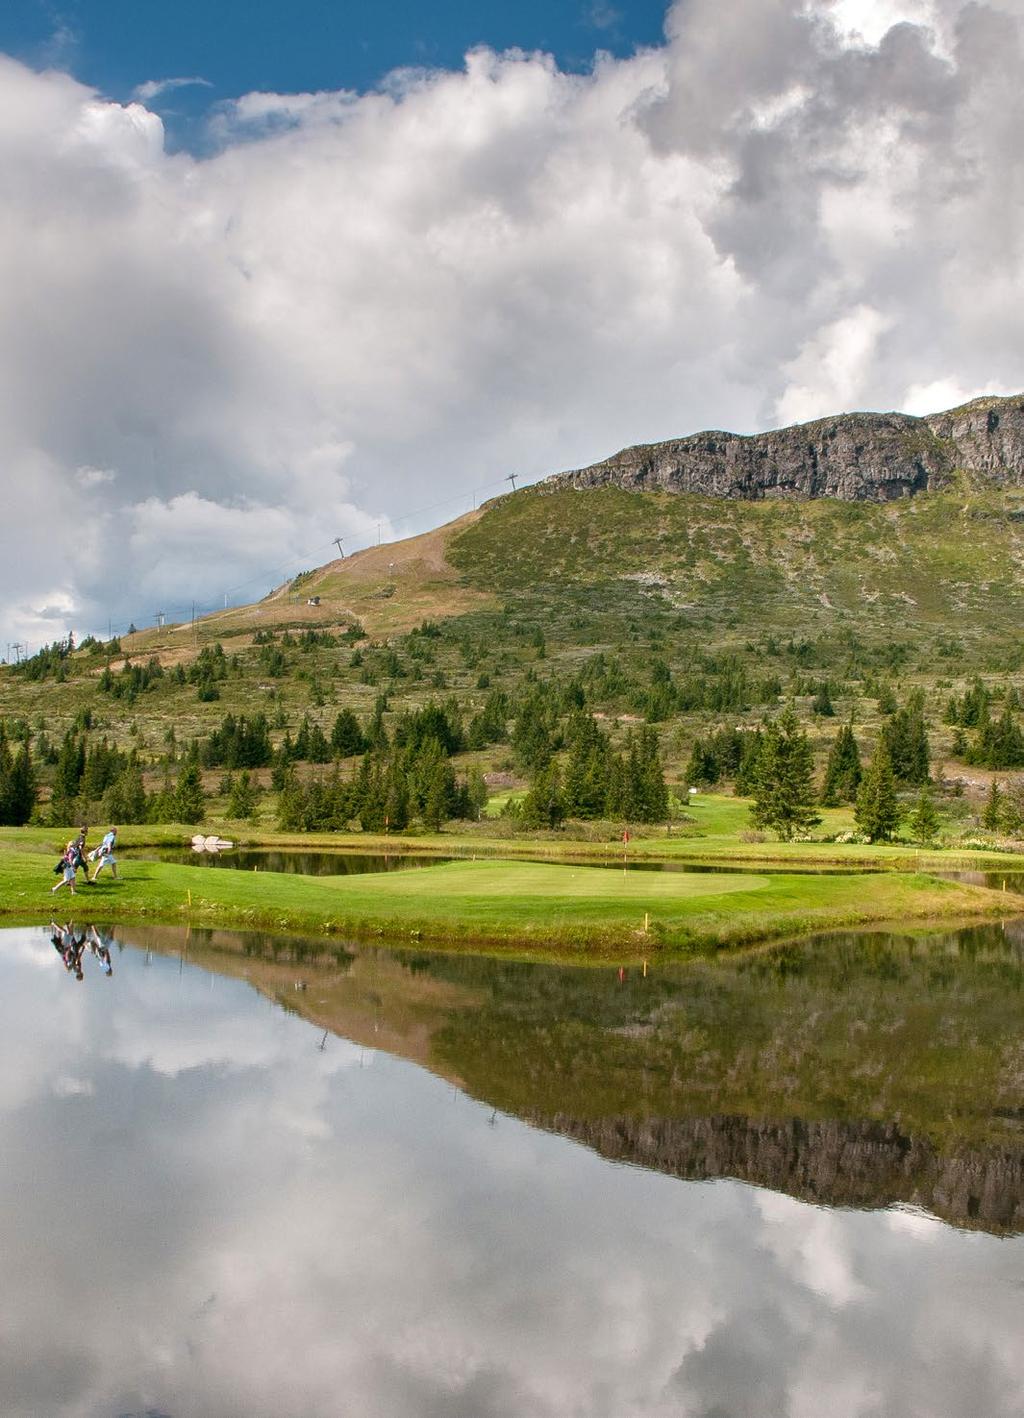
{"x":237,"y":46}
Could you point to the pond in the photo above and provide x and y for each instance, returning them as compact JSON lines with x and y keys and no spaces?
{"x":321,"y":862}
{"x":241,"y":1175}
{"x":311,"y":863}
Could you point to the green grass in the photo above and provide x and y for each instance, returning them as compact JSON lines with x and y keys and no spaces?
{"x":526,"y":906}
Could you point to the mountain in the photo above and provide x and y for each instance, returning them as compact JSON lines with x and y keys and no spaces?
{"x":858,"y":457}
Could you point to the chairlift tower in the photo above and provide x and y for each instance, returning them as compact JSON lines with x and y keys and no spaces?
{"x":341,"y":550}
{"x":512,"y":479}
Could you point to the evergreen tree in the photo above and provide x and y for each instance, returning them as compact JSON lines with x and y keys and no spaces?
{"x":843,"y":770}
{"x":532,"y":737}
{"x":999,"y":744}
{"x":750,"y":754}
{"x":906,"y":739}
{"x":878,"y":812}
{"x":702,"y":769}
{"x":189,"y":798}
{"x":291,"y":801}
{"x":992,"y":817}
{"x":647,"y":792}
{"x":783,"y":787}
{"x":346,"y":736}
{"x":67,"y":777}
{"x":244,"y":797}
{"x":125,"y":799}
{"x":822,"y":702}
{"x":543,"y":805}
{"x":924,"y":820}
{"x":585,"y":788}
{"x":17,"y":783}
{"x":886,"y":700}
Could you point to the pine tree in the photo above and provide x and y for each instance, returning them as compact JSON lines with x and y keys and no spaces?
{"x":924,"y":820}
{"x":585,"y":788}
{"x":189,"y":798}
{"x":750,"y":755}
{"x":906,"y":738}
{"x":17,"y":784}
{"x":842,"y":771}
{"x":244,"y":797}
{"x":783,"y":787}
{"x":822,"y":702}
{"x":878,"y":812}
{"x":347,"y":736}
{"x":125,"y":799}
{"x":702,"y":770}
{"x":992,"y":817}
{"x":543,"y":806}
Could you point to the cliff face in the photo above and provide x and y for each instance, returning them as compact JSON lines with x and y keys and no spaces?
{"x":853,"y":457}
{"x":864,"y":1164}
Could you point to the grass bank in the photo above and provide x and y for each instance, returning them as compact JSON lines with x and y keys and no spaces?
{"x":528,"y":907}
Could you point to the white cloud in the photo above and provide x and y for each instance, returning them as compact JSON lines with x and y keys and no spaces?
{"x":156,"y":88}
{"x":94,"y":477}
{"x":363,"y":304}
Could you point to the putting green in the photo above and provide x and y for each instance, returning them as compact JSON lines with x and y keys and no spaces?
{"x":510,"y":879}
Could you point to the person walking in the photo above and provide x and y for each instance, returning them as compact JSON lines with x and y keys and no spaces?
{"x":103,"y":856}
{"x":69,"y":859}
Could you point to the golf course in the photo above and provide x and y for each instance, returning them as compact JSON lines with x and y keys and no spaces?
{"x":561,"y":908}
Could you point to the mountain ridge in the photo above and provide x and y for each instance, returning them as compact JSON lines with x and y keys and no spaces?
{"x":853,"y":457}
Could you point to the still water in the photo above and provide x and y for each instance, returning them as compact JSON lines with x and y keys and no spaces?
{"x":334,"y":863}
{"x":239,"y":1180}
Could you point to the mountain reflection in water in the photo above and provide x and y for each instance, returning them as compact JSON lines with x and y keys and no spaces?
{"x":211,"y":1205}
{"x":857,"y":1069}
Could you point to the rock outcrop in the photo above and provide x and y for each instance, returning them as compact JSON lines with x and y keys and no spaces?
{"x":853,"y":457}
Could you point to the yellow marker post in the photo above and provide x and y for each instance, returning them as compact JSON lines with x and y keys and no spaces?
{"x":190,"y":897}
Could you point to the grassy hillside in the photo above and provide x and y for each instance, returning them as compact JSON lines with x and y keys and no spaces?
{"x":928,"y":571}
{"x":550,"y":584}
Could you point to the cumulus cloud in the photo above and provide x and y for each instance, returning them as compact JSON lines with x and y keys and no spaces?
{"x":357,"y":305}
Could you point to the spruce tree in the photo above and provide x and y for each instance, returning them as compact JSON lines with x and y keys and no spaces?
{"x":783,"y":787}
{"x":822,"y":702}
{"x":189,"y":798}
{"x":125,"y":799}
{"x":543,"y":806}
{"x":992,"y":817}
{"x":244,"y":797}
{"x":906,"y":739}
{"x":924,"y":820}
{"x":347,"y":736}
{"x":842,"y":771}
{"x":878,"y":812}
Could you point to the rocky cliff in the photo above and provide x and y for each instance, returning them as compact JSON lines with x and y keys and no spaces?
{"x":853,"y":457}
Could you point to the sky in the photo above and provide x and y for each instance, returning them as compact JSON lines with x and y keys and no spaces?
{"x":274,"y":274}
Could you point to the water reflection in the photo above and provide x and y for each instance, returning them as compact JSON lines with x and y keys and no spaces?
{"x":320,"y":862}
{"x":268,"y":1227}
{"x":72,"y":948}
{"x":304,"y":863}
